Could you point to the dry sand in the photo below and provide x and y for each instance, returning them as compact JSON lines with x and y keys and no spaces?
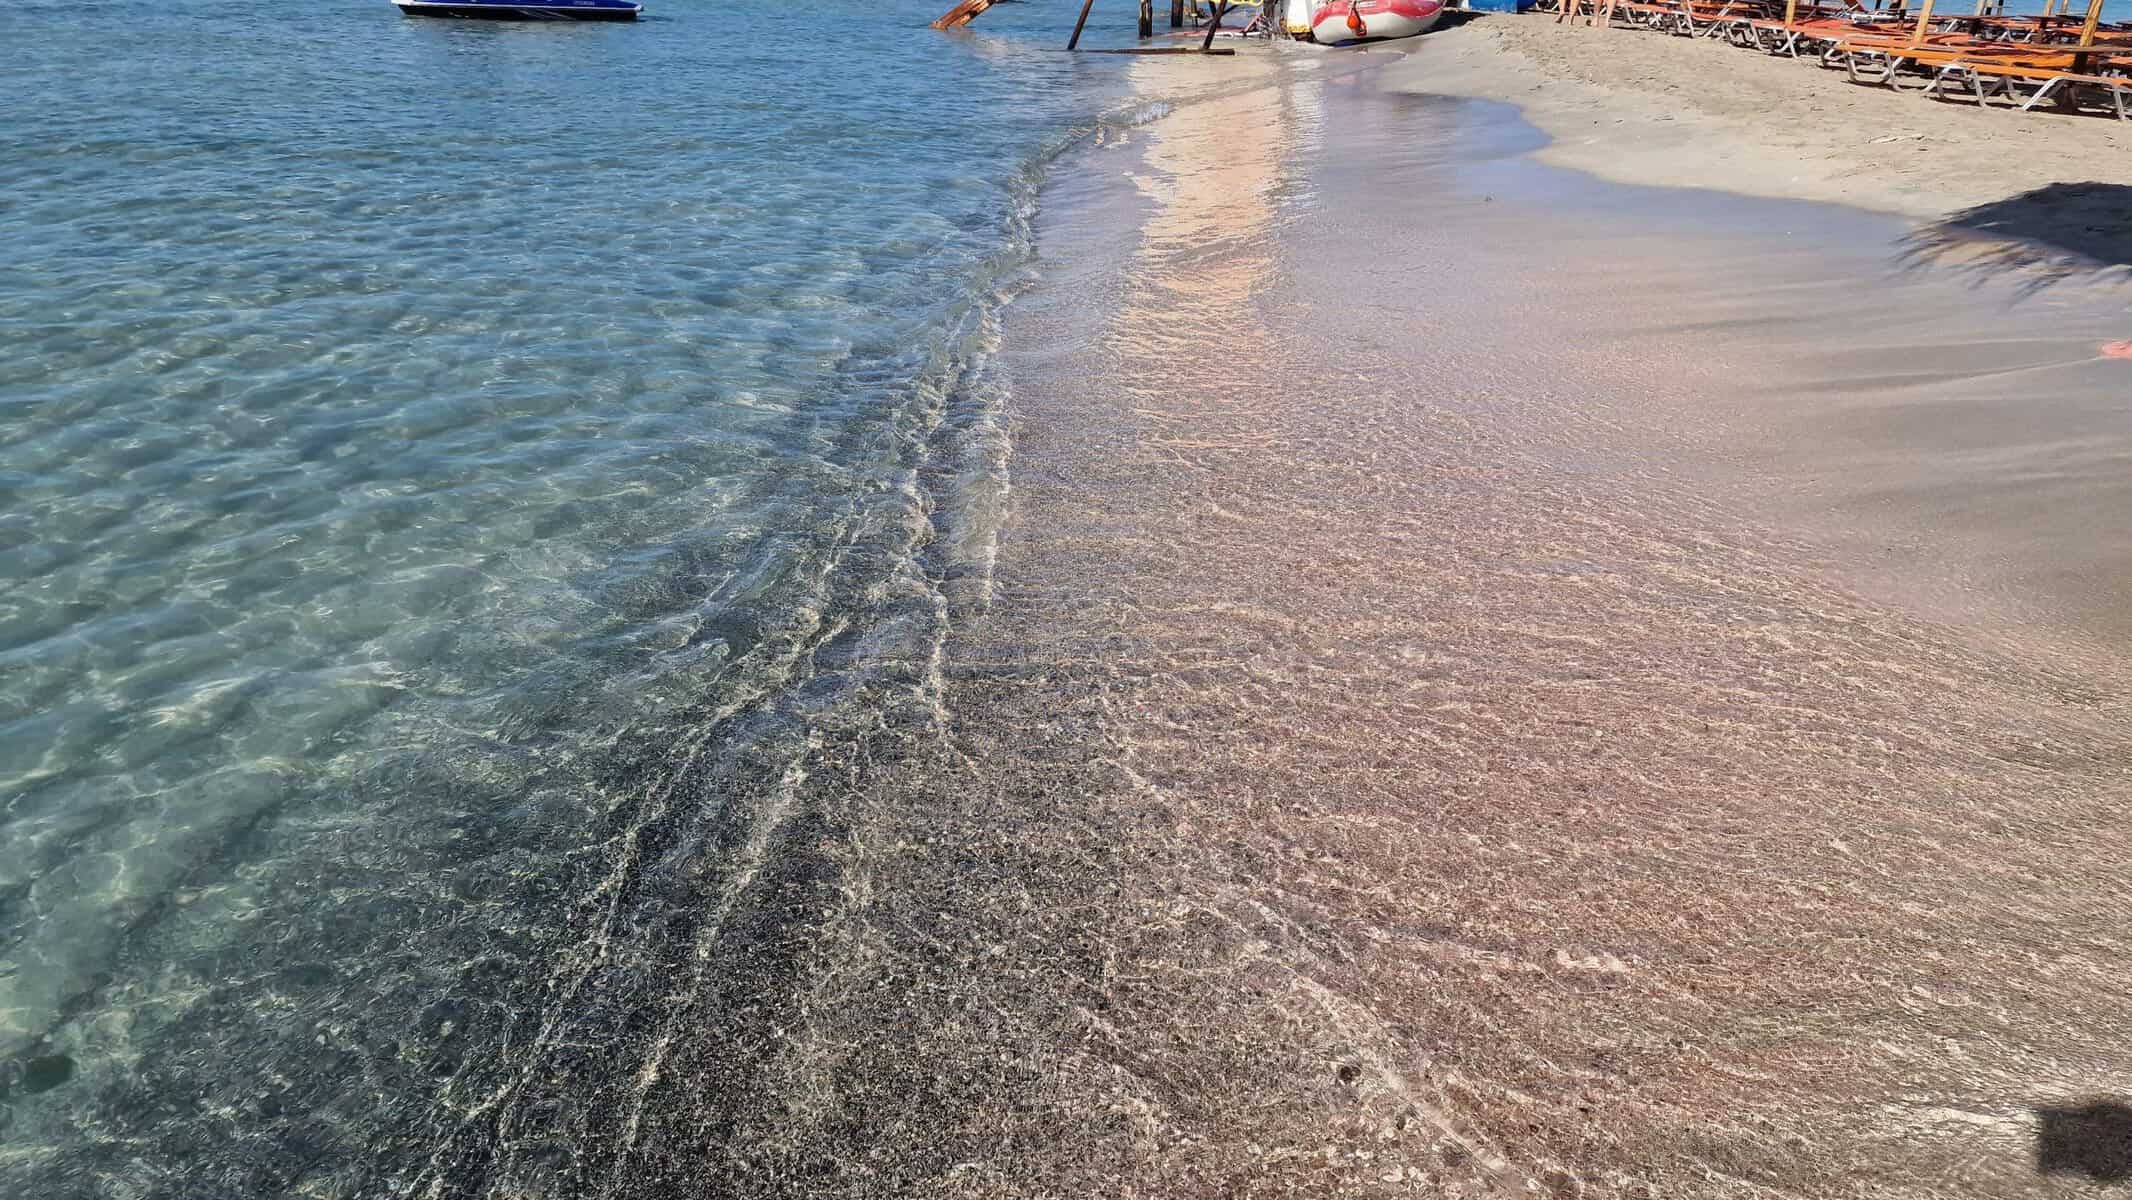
{"x":1653,"y":108}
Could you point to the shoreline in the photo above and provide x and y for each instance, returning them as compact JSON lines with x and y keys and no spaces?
{"x":1346,"y":684}
{"x":1390,"y":770}
{"x":1647,"y":108}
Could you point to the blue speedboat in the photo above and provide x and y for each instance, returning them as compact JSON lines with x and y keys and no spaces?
{"x":524,"y":10}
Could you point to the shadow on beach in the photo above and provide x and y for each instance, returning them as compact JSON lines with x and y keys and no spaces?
{"x":2058,"y":233}
{"x":2092,"y":1139}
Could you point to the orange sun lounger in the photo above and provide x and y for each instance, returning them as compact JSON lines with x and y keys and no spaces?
{"x":1982,"y":77}
{"x":1777,"y":37}
{"x":1879,"y":59}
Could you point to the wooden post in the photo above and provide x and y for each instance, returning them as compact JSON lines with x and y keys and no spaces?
{"x":1924,"y":18}
{"x":2087,"y":31}
{"x":1177,"y":14}
{"x":1147,"y":18}
{"x":1222,"y":6}
{"x":1078,"y":22}
{"x":962,"y":14}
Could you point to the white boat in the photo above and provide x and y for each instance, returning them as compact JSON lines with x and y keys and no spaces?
{"x":1296,"y":17}
{"x":1340,"y":22}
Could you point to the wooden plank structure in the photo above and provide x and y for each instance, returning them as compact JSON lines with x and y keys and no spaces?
{"x":962,"y":14}
{"x":2094,"y":22}
{"x":968,"y":10}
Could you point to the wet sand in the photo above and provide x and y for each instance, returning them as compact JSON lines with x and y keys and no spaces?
{"x":1515,"y":707}
{"x":1435,"y":738}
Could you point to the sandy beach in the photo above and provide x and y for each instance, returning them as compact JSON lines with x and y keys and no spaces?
{"x":1682,"y":112}
{"x":1536,"y":612}
{"x":1525,"y":614}
{"x":1517,"y":710}
{"x":2034,"y":202}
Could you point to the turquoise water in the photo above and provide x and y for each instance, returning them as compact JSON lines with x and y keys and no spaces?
{"x":452,"y":476}
{"x":2112,"y":10}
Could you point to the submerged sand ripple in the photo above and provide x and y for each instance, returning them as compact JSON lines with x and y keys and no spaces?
{"x":1412,"y":767}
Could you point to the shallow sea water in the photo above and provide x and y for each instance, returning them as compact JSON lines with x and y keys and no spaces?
{"x":451,"y":475}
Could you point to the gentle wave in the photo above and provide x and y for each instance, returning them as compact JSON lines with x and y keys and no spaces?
{"x":463,"y":491}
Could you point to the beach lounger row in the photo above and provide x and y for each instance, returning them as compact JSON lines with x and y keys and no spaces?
{"x":2060,"y":79}
{"x":1982,"y":79}
{"x":2054,"y":58}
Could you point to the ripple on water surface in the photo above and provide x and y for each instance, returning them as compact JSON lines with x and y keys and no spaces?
{"x":433,"y":457}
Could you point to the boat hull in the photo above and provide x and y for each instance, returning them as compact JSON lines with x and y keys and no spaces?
{"x":1373,"y":20}
{"x":492,"y":10}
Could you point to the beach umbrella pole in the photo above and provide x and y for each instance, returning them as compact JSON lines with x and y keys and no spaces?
{"x":1078,"y":22}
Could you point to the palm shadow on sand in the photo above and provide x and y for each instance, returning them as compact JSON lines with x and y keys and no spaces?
{"x":2092,"y":1139}
{"x":2058,"y":233}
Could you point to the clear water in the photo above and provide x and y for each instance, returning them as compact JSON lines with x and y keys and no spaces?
{"x":2112,"y":10}
{"x":451,"y":476}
